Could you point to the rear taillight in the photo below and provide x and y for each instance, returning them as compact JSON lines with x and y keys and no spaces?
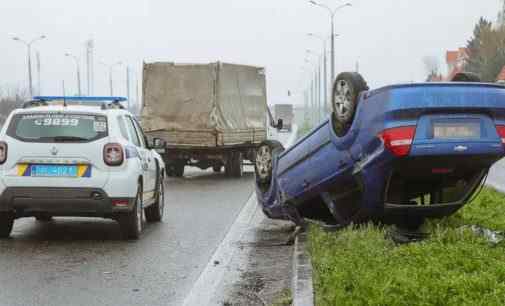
{"x":113,"y":154}
{"x":3,"y":152}
{"x":398,"y":140}
{"x":501,"y":132}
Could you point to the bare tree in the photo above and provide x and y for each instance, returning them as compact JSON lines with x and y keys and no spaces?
{"x":10,"y":99}
{"x":432,"y":66}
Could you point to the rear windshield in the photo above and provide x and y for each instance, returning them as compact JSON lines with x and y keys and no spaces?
{"x":57,"y":127}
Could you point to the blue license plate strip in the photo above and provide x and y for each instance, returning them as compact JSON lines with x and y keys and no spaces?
{"x":54,"y":170}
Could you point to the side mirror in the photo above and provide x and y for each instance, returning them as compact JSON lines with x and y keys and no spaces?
{"x":280,"y":124}
{"x":157,"y":143}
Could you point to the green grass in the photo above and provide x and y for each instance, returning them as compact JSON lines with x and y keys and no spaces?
{"x":284,"y":299}
{"x":358,"y":266}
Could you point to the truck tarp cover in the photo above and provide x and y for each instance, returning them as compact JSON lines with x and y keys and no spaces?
{"x":214,"y":97}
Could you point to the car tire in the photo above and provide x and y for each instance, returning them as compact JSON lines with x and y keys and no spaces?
{"x":234,"y":167}
{"x":466,"y":77}
{"x":263,"y":162}
{"x":216,"y":168}
{"x":178,"y":169}
{"x":131,"y":222}
{"x":154,"y":213}
{"x":169,"y":171}
{"x":6,"y":224}
{"x":345,"y":97}
{"x":44,"y":218}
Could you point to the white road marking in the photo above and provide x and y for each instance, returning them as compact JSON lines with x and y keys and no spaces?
{"x":205,"y":289}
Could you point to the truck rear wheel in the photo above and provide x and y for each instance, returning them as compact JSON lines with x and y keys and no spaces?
{"x":233,"y":167}
{"x":178,"y":169}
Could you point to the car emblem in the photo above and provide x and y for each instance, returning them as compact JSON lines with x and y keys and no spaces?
{"x":54,"y":151}
{"x":460,"y":148}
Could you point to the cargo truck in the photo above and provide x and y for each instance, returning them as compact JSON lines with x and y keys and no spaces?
{"x":207,"y":115}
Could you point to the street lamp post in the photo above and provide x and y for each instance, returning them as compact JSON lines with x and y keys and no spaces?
{"x":76,"y":59}
{"x":325,"y":67}
{"x":111,"y":67}
{"x":332,"y":21}
{"x":28,"y":45}
{"x":317,"y":78}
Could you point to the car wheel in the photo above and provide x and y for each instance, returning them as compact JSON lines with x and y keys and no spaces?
{"x":234,"y":166}
{"x":217,"y":168}
{"x":466,"y":77}
{"x":178,"y":169}
{"x":131,"y":222}
{"x":263,"y":164}
{"x":346,"y":90}
{"x":44,"y":218}
{"x":154,"y":213}
{"x":169,"y":171}
{"x":6,"y":224}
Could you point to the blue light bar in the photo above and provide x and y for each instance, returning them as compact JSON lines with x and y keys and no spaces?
{"x":80,"y":98}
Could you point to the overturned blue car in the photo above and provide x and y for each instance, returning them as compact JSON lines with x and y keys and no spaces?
{"x":398,"y":154}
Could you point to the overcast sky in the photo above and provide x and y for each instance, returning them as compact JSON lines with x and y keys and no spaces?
{"x":387,"y":37}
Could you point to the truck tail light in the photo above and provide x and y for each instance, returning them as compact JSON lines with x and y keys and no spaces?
{"x":501,"y":132}
{"x":3,"y":152}
{"x":398,"y":140}
{"x":113,"y":154}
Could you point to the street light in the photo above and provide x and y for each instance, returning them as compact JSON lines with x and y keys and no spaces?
{"x":76,"y":59}
{"x":28,"y":44}
{"x":111,"y":67}
{"x":325,"y":65}
{"x":332,"y":19}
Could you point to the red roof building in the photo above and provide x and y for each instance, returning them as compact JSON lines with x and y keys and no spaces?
{"x":456,"y":61}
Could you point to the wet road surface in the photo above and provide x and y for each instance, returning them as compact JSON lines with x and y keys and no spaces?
{"x":84,"y":262}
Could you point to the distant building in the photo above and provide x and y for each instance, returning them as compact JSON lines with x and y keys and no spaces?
{"x":501,"y":77}
{"x":456,"y":62}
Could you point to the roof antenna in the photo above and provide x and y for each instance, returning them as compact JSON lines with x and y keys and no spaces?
{"x":63,"y":86}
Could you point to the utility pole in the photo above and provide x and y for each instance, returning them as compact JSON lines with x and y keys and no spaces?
{"x":137,"y":99}
{"x":111,"y":67}
{"x":39,"y":81}
{"x":128,"y":86}
{"x":77,"y":64}
{"x":28,"y":45}
{"x":90,"y":71}
{"x":324,"y":40}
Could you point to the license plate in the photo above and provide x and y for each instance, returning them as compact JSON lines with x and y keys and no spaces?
{"x":47,"y":170}
{"x":53,"y":170}
{"x":460,"y":130}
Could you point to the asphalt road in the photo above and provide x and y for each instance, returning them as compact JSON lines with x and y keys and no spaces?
{"x":84,"y":261}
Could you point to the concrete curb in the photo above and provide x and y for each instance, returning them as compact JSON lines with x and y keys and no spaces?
{"x":302,"y":283}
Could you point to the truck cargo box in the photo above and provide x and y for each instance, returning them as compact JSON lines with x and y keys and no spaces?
{"x":204,"y":105}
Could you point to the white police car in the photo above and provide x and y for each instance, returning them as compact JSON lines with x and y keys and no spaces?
{"x":78,"y":156}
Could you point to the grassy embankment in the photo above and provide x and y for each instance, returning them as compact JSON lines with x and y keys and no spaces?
{"x":455,"y":266}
